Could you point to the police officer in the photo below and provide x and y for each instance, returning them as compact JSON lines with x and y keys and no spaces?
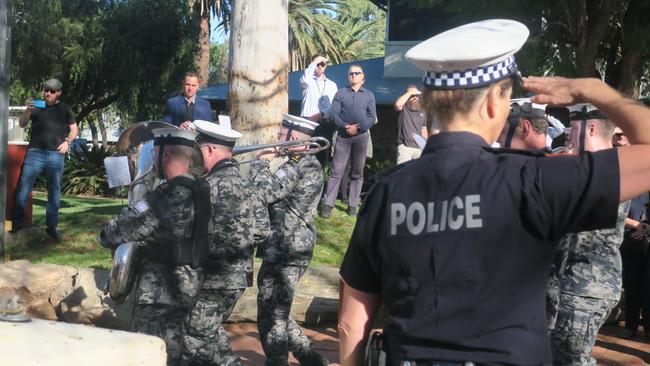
{"x":589,"y":276}
{"x":292,"y":195}
{"x":171,"y":226}
{"x":526,"y":127}
{"x":457,"y":244}
{"x":228,"y":269}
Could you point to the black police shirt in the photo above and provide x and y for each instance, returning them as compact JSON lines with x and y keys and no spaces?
{"x":50,"y":126}
{"x":459,"y":244}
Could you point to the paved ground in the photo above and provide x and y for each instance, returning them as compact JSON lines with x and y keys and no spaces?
{"x":610,"y":350}
{"x":316,"y":306}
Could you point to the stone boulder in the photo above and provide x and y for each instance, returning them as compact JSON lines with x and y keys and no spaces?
{"x":65,"y":293}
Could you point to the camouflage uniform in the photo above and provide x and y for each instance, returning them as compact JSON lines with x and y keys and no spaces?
{"x":164,"y":292}
{"x":590,"y":286}
{"x":292,"y":195}
{"x":229,"y":268}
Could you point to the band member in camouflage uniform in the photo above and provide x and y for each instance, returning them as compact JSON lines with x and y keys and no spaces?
{"x":229,"y":267}
{"x":587,"y":264}
{"x":166,"y":223}
{"x":292,"y":195}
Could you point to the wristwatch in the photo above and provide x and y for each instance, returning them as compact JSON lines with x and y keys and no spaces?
{"x":67,"y":139}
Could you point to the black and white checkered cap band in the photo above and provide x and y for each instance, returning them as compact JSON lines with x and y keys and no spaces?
{"x":472,"y":78}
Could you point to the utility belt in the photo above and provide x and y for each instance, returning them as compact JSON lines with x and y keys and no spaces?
{"x":377,"y":355}
{"x":179,"y":254}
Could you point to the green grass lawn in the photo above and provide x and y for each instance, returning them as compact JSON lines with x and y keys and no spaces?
{"x":81,"y":219}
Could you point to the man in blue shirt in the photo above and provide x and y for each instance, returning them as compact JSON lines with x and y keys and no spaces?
{"x":181,"y":110}
{"x":354,"y":112}
{"x":317,"y":94}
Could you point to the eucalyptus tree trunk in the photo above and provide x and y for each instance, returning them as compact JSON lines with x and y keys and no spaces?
{"x":259,"y":59}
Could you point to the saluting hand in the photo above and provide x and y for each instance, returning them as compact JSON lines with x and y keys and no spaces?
{"x":556,"y":90}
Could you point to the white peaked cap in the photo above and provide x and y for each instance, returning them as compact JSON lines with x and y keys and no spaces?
{"x":216,"y":134}
{"x":298,"y":124}
{"x":470,"y":56}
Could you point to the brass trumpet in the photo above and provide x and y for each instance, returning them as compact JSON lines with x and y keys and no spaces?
{"x":312,"y":146}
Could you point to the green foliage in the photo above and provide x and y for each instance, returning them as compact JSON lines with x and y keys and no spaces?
{"x":218,"y":63}
{"x":364,"y":30}
{"x":345,"y":30}
{"x":132,"y":53}
{"x":85,"y":173}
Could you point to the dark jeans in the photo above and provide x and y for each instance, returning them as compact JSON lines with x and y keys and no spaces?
{"x":36,"y":161}
{"x":354,"y":148}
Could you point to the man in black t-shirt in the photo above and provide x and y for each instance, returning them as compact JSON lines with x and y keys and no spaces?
{"x":412,"y":120}
{"x":53,"y":129}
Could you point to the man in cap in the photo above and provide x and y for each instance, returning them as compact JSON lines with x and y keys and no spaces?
{"x":170,"y":226}
{"x":292,"y":195}
{"x":588,"y":263}
{"x":526,"y":127}
{"x":411,"y":120}
{"x":182,"y":109}
{"x":228,"y":269}
{"x":317,"y":94}
{"x":458,"y":243}
{"x":53,"y":129}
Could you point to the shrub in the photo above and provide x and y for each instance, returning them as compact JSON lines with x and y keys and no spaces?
{"x":85,"y":173}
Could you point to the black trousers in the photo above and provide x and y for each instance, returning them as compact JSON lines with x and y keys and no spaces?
{"x":636,"y":283}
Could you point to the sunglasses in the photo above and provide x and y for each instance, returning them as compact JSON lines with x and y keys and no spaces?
{"x":355,"y":73}
{"x":321,"y":64}
{"x":51,"y":91}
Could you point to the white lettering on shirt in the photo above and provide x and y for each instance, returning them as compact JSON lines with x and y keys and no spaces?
{"x":417,"y":218}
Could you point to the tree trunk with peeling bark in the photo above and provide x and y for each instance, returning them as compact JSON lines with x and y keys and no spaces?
{"x":202,"y":60}
{"x":259,"y":58}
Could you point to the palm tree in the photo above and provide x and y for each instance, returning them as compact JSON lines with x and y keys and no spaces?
{"x":202,"y":10}
{"x":312,"y":30}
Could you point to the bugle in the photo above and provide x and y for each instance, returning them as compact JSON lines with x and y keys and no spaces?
{"x":312,"y":146}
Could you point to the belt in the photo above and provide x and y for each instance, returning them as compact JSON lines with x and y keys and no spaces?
{"x":435,"y":363}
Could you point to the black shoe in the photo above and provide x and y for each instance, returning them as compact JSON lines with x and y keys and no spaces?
{"x":15,"y":227}
{"x":628,"y":334}
{"x":352,"y":211}
{"x":325,"y":211}
{"x":312,"y":358}
{"x":54,"y":234}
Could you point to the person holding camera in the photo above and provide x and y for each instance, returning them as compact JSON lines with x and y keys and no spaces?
{"x":53,"y":129}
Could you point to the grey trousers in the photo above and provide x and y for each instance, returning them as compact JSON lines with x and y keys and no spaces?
{"x":354,"y":148}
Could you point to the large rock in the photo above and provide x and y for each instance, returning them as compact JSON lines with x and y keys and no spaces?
{"x":75,"y":295}
{"x":41,"y":342}
{"x":64,"y":293}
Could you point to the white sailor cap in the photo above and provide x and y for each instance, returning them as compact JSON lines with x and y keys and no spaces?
{"x":216,"y":134}
{"x":584,"y":111}
{"x":470,"y":56}
{"x":524,"y":108}
{"x":299,"y":124}
{"x":174,"y":136}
